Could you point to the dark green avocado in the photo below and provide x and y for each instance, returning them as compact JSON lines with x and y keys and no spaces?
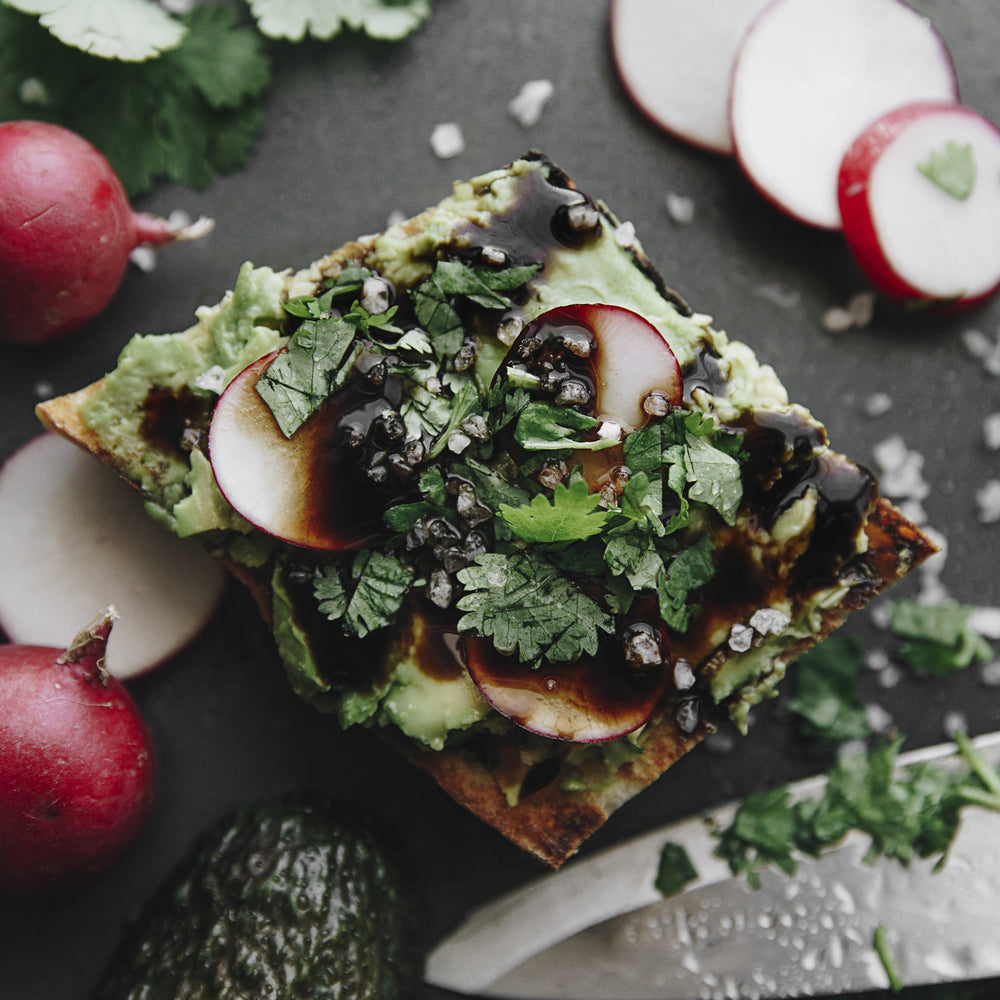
{"x":294,"y":899}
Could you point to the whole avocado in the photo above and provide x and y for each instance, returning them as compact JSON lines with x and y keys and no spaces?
{"x":292,"y":899}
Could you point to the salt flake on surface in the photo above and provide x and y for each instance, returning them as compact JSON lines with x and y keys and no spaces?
{"x":991,"y":431}
{"x":955,"y":722}
{"x":988,"y":501}
{"x":771,"y":620}
{"x":879,"y":720}
{"x":212,"y":380}
{"x":877,"y":404}
{"x":986,"y":621}
{"x":143,"y":258}
{"x":527,"y":107}
{"x":625,"y":235}
{"x":740,"y":638}
{"x":990,"y":674}
{"x":979,"y":345}
{"x":447,"y":140}
{"x":680,"y":208}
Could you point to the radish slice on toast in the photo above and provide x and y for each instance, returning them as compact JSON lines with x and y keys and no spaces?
{"x":301,"y":489}
{"x":675,"y":57}
{"x":76,"y":538}
{"x":919,"y":194}
{"x":590,"y":700}
{"x":810,"y":75}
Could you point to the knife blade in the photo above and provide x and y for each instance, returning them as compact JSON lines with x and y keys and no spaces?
{"x":598,"y":928}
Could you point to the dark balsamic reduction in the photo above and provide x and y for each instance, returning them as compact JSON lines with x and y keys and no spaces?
{"x":168,"y":414}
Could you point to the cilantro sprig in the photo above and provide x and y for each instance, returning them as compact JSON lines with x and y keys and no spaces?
{"x":167,"y":97}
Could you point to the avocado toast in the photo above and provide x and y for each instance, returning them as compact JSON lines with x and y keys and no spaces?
{"x":502,"y":497}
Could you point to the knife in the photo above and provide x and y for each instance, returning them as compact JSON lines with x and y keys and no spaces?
{"x":599,"y":929}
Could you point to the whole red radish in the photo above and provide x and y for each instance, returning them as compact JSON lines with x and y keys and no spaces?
{"x":66,"y":231}
{"x":76,"y":764}
{"x":919,"y":194}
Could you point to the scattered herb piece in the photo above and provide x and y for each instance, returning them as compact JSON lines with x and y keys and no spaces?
{"x":953,"y":169}
{"x":528,"y":608}
{"x":546,"y":427}
{"x":826,"y":695}
{"x":908,"y":814}
{"x":937,"y":639}
{"x":675,"y":869}
{"x":881,"y":944}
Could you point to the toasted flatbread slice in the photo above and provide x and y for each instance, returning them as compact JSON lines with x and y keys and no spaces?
{"x":739,"y":533}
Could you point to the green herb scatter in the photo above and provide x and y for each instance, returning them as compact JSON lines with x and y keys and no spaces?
{"x":952,"y":169}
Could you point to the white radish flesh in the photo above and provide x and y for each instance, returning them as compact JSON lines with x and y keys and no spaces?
{"x":918,"y":238}
{"x":76,"y":537}
{"x":675,"y":58}
{"x":810,"y":75}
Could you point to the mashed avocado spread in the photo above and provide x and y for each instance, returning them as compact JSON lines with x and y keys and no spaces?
{"x":724,"y":519}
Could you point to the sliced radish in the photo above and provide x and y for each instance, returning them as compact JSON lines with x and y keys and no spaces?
{"x":675,"y":57}
{"x":919,"y":194}
{"x":618,"y":356}
{"x":301,"y":489}
{"x":810,"y":75}
{"x":591,"y":700}
{"x":76,"y":538}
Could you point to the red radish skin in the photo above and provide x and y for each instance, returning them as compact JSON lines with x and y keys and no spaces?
{"x":810,"y":75}
{"x":77,"y":766}
{"x":674,"y":59}
{"x":918,"y":244}
{"x":66,"y":231}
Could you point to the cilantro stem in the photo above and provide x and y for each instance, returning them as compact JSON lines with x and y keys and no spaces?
{"x":884,"y":952}
{"x":985,"y":773}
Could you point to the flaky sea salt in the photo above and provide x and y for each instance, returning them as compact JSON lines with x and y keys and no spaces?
{"x":447,"y":140}
{"x":879,"y":720}
{"x":625,"y":235}
{"x":981,"y":347}
{"x":902,"y":470}
{"x":740,"y":638}
{"x":986,"y":621}
{"x":954,"y":722}
{"x":991,"y":431}
{"x":877,"y":404}
{"x":680,"y":208}
{"x":856,"y":314}
{"x":769,"y":620}
{"x":988,"y":501}
{"x":989,"y":674}
{"x":527,"y":106}
{"x":211,"y":380}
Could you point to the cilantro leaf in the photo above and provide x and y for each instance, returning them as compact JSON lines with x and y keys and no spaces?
{"x":714,"y":477}
{"x":388,"y":20}
{"x":674,"y":869}
{"x":952,"y":169}
{"x":380,"y":584}
{"x":571,"y":515}
{"x":298,"y":380}
{"x":826,"y":697}
{"x":529,"y":609}
{"x":937,"y":639}
{"x":546,"y":427}
{"x":691,"y":568}
{"x":130,"y":30}
{"x":633,"y":555}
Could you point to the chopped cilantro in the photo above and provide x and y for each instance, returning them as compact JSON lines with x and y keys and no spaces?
{"x":909,"y":813}
{"x":675,"y":869}
{"x":691,"y":568}
{"x":571,"y":515}
{"x":937,"y":639}
{"x":546,"y":427}
{"x":880,"y":942}
{"x":299,"y":379}
{"x":952,"y":169}
{"x":380,"y":584}
{"x":528,"y":608}
{"x":826,"y":696}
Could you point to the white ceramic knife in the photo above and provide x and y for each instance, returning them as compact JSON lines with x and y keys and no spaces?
{"x":599,"y":930}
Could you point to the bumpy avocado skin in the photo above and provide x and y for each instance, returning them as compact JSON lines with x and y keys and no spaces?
{"x":286,"y":900}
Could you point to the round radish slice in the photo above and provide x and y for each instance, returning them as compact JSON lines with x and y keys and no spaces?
{"x":76,"y":538}
{"x":606,"y":360}
{"x":919,"y":194}
{"x":675,"y":57}
{"x":810,"y":75}
{"x":591,"y":700}
{"x":304,"y":489}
